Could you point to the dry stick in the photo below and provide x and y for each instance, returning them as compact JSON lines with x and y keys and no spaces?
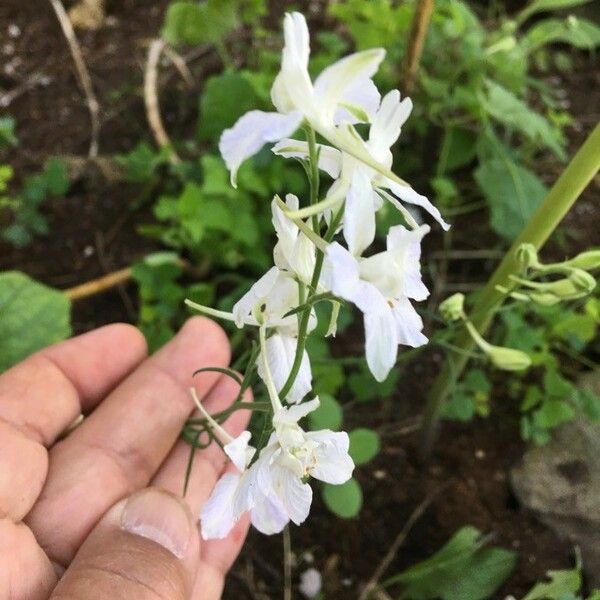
{"x":99,"y":285}
{"x":397,"y":543}
{"x":418,"y":31}
{"x":82,"y":73}
{"x":151,"y":98}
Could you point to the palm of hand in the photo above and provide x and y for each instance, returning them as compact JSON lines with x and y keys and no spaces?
{"x":54,"y":492}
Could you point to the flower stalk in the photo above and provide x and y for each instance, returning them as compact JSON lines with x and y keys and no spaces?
{"x":573,"y":180}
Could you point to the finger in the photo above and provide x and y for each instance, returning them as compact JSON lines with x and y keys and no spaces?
{"x":210,"y":462}
{"x":44,"y":394}
{"x":145,"y":547}
{"x":118,"y":448}
{"x":25,"y":571}
{"x":216,"y":556}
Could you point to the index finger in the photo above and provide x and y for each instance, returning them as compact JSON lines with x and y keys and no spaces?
{"x":44,"y":394}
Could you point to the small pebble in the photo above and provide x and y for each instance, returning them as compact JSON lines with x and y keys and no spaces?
{"x":310,"y":583}
{"x":379,"y":474}
{"x":88,"y":251}
{"x":14,"y":31}
{"x":308,"y":557}
{"x":479,"y":454}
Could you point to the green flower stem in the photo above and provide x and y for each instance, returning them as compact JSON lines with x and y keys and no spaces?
{"x":314,"y":282}
{"x":560,"y":198}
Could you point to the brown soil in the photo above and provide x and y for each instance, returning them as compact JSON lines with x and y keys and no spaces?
{"x":93,"y":231}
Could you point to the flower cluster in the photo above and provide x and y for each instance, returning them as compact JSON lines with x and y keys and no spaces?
{"x":320,"y":254}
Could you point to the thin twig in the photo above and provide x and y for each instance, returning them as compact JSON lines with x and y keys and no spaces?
{"x":83,"y":75}
{"x":287,"y":564}
{"x":151,"y":98}
{"x":29,"y":83}
{"x":179,"y":63}
{"x":418,"y":32}
{"x":382,"y":567}
{"x":99,"y":285}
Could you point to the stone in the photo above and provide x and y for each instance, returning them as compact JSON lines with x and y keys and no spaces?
{"x":560,"y":483}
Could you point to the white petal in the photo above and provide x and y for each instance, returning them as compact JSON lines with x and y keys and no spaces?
{"x":381,"y":343}
{"x":359,"y":214}
{"x":218,"y":517}
{"x":292,"y":88}
{"x":335,"y":81}
{"x":251,"y":132}
{"x":281,"y":351}
{"x":409,"y":324}
{"x":333,"y":463}
{"x":292,"y":414}
{"x":388,"y":121}
{"x":330,"y":159}
{"x":269,"y":515}
{"x":244,"y":308}
{"x":239,"y":450}
{"x":408,"y":194}
{"x":359,"y":103}
{"x":340,"y":272}
{"x":295,"y":496}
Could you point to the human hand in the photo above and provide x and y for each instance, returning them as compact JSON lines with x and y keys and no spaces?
{"x":82,"y":503}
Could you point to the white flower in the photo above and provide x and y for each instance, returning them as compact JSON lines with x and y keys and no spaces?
{"x":342,"y":93}
{"x":381,"y":286}
{"x":364,"y":187}
{"x":274,"y":489}
{"x":294,"y":252}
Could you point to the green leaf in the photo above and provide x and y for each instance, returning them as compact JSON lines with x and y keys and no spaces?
{"x":552,"y":414}
{"x":458,"y":149}
{"x":7,"y":132}
{"x":514,"y":193}
{"x":343,"y":500}
{"x":364,"y":445}
{"x":199,"y":23}
{"x":462,"y":568}
{"x":503,"y":106}
{"x":226,"y":97}
{"x":561,"y":583}
{"x":32,"y":316}
{"x":580,"y":33}
{"x":329,"y":415}
{"x":56,"y":177}
{"x":547,"y":5}
{"x":364,"y":388}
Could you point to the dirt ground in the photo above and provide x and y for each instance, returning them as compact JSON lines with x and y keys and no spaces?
{"x":93,"y":231}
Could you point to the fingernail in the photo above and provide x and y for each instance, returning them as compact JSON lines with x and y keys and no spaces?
{"x":160,"y":517}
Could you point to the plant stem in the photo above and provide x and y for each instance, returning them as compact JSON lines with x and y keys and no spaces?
{"x":560,"y":198}
{"x":419,"y":28}
{"x":287,"y":564}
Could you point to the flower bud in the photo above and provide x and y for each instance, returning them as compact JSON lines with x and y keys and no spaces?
{"x":527,"y":256}
{"x":582,"y":280}
{"x":452,"y":308}
{"x":588,"y":260}
{"x":508,"y":359}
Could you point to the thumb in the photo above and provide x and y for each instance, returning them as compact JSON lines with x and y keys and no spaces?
{"x":145,"y":547}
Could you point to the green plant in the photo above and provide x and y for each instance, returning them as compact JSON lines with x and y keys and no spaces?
{"x":463,"y":568}
{"x":27,"y":221}
{"x":32,"y":316}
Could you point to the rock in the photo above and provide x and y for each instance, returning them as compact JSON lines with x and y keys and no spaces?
{"x":560,"y":482}
{"x":87,"y":14}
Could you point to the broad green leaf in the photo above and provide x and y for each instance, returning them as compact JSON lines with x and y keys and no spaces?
{"x":553,"y":413}
{"x":513,"y":192}
{"x":32,"y":316}
{"x":364,"y":445}
{"x":547,"y":5}
{"x":581,"y":33}
{"x":462,"y":568}
{"x":225,"y":98}
{"x":6,"y":174}
{"x":329,"y":415}
{"x":364,"y":388}
{"x":343,"y":500}
{"x":561,"y":583}
{"x":512,"y":112}
{"x":204,"y":22}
